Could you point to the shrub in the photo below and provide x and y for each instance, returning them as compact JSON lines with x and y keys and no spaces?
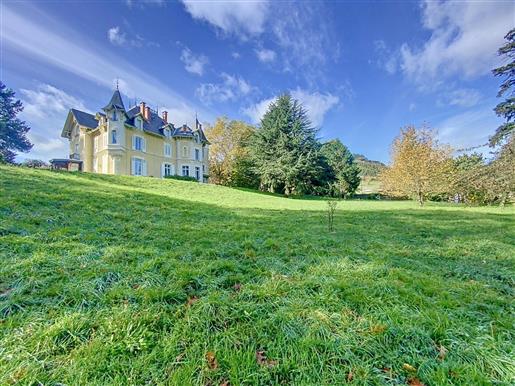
{"x":182,"y":178}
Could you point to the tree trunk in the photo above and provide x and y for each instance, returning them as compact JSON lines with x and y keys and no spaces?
{"x":420,"y":198}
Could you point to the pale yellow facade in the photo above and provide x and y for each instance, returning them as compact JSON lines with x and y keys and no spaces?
{"x":116,"y":146}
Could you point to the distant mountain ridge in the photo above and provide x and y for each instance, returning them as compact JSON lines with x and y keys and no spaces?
{"x":369,"y":168}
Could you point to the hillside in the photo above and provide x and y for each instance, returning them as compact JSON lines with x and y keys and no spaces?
{"x":369,"y":168}
{"x":122,"y":280}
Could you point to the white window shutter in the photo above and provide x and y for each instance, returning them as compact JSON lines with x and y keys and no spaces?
{"x":133,"y":162}
{"x":144,"y":168}
{"x":144,"y":144}
{"x":133,"y":144}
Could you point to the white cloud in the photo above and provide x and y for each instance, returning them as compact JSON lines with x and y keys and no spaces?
{"x":265,"y":55}
{"x":47,"y":99}
{"x":45,"y":41}
{"x":468,"y":129}
{"x":193,"y":63}
{"x":304,"y":34}
{"x":316,"y":104}
{"x":142,"y":3}
{"x":256,"y":111}
{"x":116,"y":37}
{"x":45,"y":110}
{"x":235,"y":55}
{"x":464,"y":39}
{"x":241,"y":18}
{"x":230,"y":89}
{"x":412,"y":107}
{"x":460,"y":97}
{"x":386,"y":59}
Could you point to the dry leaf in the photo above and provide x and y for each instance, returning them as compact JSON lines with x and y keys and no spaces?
{"x":409,"y":367}
{"x":350,"y":376}
{"x":225,"y":383}
{"x":237,"y":287}
{"x":191,"y":300}
{"x":212,"y":363}
{"x":415,"y":382}
{"x":378,"y":329}
{"x":261,"y":359}
{"x":442,"y":352}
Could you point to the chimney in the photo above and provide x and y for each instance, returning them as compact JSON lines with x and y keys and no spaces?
{"x":142,"y":109}
{"x":165,"y":117}
{"x":147,"y":112}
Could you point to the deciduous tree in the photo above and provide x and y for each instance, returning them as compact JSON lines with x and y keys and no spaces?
{"x":419,"y":165}
{"x":229,"y":161}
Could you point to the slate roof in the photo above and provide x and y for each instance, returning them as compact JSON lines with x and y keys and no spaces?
{"x":115,"y":102}
{"x":85,"y":119}
{"x":154,"y":125}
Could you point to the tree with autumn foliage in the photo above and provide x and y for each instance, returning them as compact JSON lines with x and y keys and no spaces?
{"x":419,"y":165}
{"x":228,"y":153}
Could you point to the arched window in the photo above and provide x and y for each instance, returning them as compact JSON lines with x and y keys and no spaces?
{"x":114,"y":115}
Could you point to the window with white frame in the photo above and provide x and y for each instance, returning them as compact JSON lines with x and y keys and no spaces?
{"x":197,"y":173}
{"x":139,"y":123}
{"x":167,"y":170}
{"x":138,"y":143}
{"x":167,"y":133}
{"x":139,"y":167}
{"x":168,"y":150}
{"x":197,"y":155}
{"x":185,"y":170}
{"x":114,"y":138}
{"x":114,"y":117}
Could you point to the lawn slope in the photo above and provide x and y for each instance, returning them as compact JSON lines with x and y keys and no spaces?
{"x":119,"y":280}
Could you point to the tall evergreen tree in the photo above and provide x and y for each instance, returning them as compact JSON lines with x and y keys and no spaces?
{"x":506,"y":109}
{"x":13,"y":131}
{"x":346,"y":171}
{"x":285,"y":149}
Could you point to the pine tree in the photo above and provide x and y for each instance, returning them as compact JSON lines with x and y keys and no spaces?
{"x":285,"y":149}
{"x":506,"y":109}
{"x":13,"y":131}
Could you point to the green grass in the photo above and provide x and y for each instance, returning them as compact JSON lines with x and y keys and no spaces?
{"x":119,"y":280}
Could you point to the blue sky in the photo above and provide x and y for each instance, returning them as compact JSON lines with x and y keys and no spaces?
{"x":362,"y":69}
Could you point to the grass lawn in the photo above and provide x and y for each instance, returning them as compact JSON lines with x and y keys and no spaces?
{"x":119,"y":280}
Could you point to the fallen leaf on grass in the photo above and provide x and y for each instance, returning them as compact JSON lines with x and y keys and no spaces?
{"x":212,"y":363}
{"x":191,"y":300}
{"x":237,"y":287}
{"x":442,"y":352}
{"x":409,"y":367}
{"x":350,"y":376}
{"x":261,"y":359}
{"x":415,"y":382}
{"x":225,"y":383}
{"x":378,"y":329}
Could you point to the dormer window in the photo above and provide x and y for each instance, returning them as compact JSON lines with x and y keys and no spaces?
{"x":167,"y":133}
{"x":139,"y":123}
